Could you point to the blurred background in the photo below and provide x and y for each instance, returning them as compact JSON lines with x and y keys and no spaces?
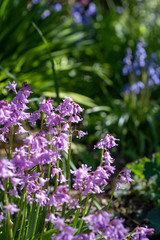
{"x":106,"y":56}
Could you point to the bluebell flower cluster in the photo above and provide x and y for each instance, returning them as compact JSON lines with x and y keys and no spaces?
{"x":55,"y":7}
{"x":84,"y":15}
{"x":138,"y":65}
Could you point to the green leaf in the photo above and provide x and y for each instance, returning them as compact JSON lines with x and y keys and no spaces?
{"x":47,"y":235}
{"x":76,"y":97}
{"x":31,"y":223}
{"x":8,"y":73}
{"x":138,"y":167}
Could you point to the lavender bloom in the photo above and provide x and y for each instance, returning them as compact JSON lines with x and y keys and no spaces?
{"x":81,"y":134}
{"x":107,"y":142}
{"x":12,"y":208}
{"x":81,"y":177}
{"x":119,"y":9}
{"x":141,"y":233}
{"x":60,"y":196}
{"x":153,"y":73}
{"x":21,"y":130}
{"x":12,"y":86}
{"x":127,"y":69}
{"x":136,"y":87}
{"x":2,"y":218}
{"x":107,"y":158}
{"x":69,"y":108}
{"x":36,"y":1}
{"x":90,"y":182}
{"x":46,"y":106}
{"x":101,"y":224}
{"x":6,"y":168}
{"x":138,"y":66}
{"x":124,"y":178}
{"x":92,"y":9}
{"x":41,"y":197}
{"x":140,"y":57}
{"x":46,"y":14}
{"x":66,"y":234}
{"x":51,"y":218}
{"x":82,"y":15}
{"x":62,"y":142}
{"x":57,"y":7}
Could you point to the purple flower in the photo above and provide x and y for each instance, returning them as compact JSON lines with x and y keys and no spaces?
{"x":92,"y":9}
{"x":61,"y":196}
{"x":107,"y":158}
{"x":101,"y":224}
{"x":12,"y":208}
{"x":6,"y":168}
{"x":81,"y":134}
{"x":41,"y":197}
{"x":21,"y":130}
{"x":141,"y":232}
{"x":127,"y":69}
{"x":51,"y":218}
{"x":46,"y":106}
{"x":12,"y":86}
{"x":46,"y":14}
{"x":61,"y":142}
{"x":36,"y":1}
{"x":136,"y":87}
{"x":108,"y":142}
{"x":1,"y":219}
{"x":124,"y":178}
{"x":57,"y":7}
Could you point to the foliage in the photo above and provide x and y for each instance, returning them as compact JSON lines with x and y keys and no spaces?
{"x":146,"y":185}
{"x":26,"y":57}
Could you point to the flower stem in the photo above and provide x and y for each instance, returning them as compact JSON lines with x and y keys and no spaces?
{"x":77,"y":212}
{"x":68,"y":159}
{"x":113,"y":190}
{"x":102,"y":152}
{"x":29,"y":219}
{"x":22,"y":226}
{"x":10,"y":142}
{"x":83,"y":214}
{"x":36,"y":220}
{"x":9,"y":227}
{"x":19,"y":213}
{"x":90,"y":205}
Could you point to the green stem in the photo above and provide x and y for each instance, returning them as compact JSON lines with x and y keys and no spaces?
{"x":68,"y":168}
{"x":102,"y":152}
{"x":90,"y":205}
{"x":19,"y":213}
{"x":9,"y":226}
{"x":49,"y":166}
{"x":29,"y":219}
{"x":68,"y":159}
{"x":63,"y":209}
{"x":22,"y":225}
{"x":44,"y":223}
{"x":56,"y":177}
{"x":35,"y":221}
{"x":43,"y":114}
{"x":10,"y":142}
{"x":114,"y":187}
{"x":77,"y":212}
{"x":83,"y":214}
